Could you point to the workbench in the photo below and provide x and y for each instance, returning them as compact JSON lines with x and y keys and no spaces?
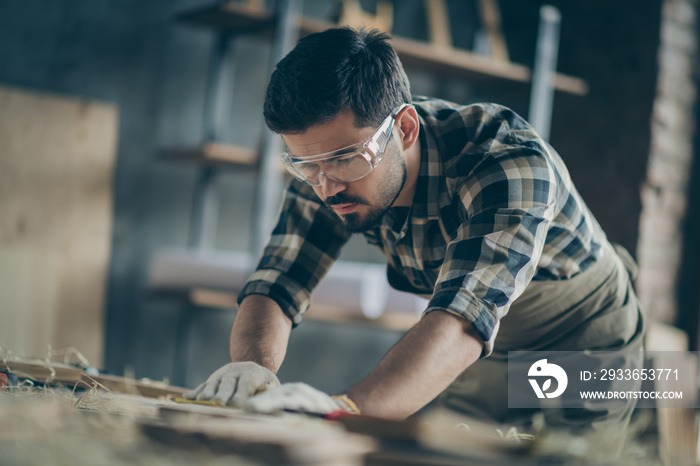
{"x":62,"y":425}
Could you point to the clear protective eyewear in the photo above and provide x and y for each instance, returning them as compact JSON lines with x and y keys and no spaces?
{"x":346,"y":164}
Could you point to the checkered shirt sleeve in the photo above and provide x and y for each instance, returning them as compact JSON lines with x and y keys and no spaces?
{"x":302,"y":247}
{"x":506,"y":188}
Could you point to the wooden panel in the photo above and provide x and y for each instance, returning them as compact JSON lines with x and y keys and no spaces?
{"x":56,"y":159}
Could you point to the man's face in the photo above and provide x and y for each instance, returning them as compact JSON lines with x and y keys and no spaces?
{"x":362,"y":203}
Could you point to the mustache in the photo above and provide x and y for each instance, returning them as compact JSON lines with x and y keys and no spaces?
{"x":343,"y":198}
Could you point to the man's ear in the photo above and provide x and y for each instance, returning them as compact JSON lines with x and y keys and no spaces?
{"x":408,"y":125}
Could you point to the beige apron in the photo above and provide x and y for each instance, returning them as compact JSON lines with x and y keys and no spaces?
{"x":595,"y":310}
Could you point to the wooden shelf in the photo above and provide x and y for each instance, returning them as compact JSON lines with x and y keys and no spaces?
{"x":476,"y":68}
{"x":239,"y":17}
{"x":227,"y":300}
{"x":459,"y":63}
{"x":231,"y":16}
{"x":215,"y":153}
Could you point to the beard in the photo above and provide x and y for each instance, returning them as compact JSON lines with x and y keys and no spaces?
{"x":390,"y":186}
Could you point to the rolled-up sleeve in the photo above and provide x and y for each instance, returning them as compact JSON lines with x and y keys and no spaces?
{"x":305,"y":242}
{"x":506,"y":206}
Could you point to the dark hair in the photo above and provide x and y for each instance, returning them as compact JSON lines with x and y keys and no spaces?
{"x":332,"y":71}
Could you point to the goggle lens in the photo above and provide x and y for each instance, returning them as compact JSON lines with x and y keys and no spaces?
{"x":354,"y":163}
{"x":349,"y":167}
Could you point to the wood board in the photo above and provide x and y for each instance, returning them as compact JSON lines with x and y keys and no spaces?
{"x":274,"y":439}
{"x":56,"y":162}
{"x":143,"y":387}
{"x":43,"y":372}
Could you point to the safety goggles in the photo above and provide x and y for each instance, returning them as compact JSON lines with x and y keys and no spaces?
{"x":347,"y":164}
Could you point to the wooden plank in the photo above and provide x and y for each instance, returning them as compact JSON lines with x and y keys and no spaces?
{"x":221,"y":299}
{"x":282,"y":439}
{"x":353,"y":15}
{"x":461,"y":63}
{"x":214,"y":153}
{"x":393,"y":321}
{"x":438,"y":23}
{"x":677,"y":427}
{"x":664,"y":337}
{"x":56,"y":162}
{"x":43,"y":372}
{"x":241,"y":17}
{"x":678,"y":430}
{"x":210,"y":298}
{"x":435,"y":433}
{"x":143,"y":387}
{"x":491,"y":22}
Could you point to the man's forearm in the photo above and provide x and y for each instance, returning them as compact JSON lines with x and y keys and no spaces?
{"x":419,"y":367}
{"x":260,"y":333}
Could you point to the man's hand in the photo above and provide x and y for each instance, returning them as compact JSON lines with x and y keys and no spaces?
{"x":299,"y":397}
{"x":234,"y":383}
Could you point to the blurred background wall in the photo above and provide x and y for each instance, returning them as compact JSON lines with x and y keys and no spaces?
{"x":134,"y":55}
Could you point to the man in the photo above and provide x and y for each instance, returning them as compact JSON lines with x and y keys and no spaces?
{"x":472,"y":210}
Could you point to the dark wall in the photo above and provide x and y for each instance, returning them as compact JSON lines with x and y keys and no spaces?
{"x":605,"y":137}
{"x":131,"y":53}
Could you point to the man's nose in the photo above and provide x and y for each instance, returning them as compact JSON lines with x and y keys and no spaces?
{"x":330,"y":187}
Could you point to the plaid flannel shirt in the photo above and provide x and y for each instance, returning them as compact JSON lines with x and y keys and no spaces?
{"x":494,"y":208}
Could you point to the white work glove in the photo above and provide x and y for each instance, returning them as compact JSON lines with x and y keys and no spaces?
{"x":299,"y":397}
{"x":234,"y":383}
